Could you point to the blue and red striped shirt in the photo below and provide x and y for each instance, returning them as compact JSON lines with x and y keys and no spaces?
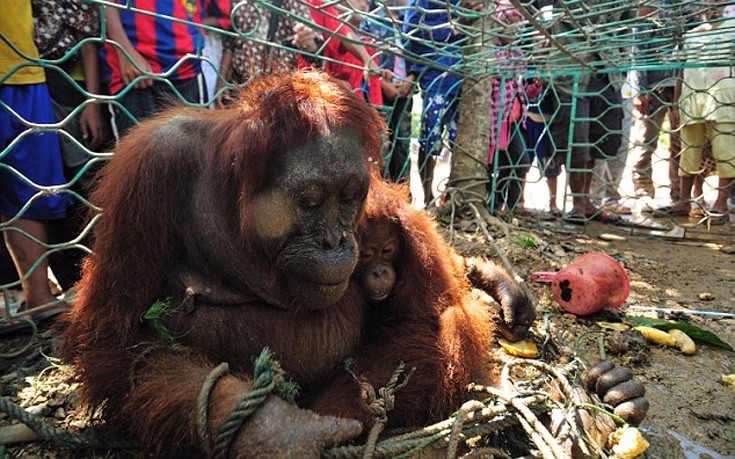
{"x":161,"y":41}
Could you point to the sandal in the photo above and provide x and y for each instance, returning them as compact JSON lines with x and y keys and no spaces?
{"x":669,"y":211}
{"x":716,"y":219}
{"x":600,"y":215}
{"x":603,"y":216}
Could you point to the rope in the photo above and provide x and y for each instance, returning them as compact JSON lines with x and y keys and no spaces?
{"x":380,"y":404}
{"x":264,"y":382}
{"x":203,"y":401}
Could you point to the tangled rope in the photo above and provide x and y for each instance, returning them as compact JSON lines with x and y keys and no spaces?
{"x":380,"y":404}
{"x":512,"y":404}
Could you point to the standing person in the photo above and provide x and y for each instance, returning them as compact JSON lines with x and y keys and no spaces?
{"x":35,"y":156}
{"x":655,"y":100}
{"x":608,"y":172}
{"x":434,"y":48}
{"x":347,"y":57}
{"x":60,"y":25}
{"x":537,"y":137}
{"x":243,"y":58}
{"x":508,"y":160}
{"x":216,"y":14}
{"x":384,"y":25}
{"x":152,"y":45}
{"x":706,"y":96}
{"x":595,"y":97}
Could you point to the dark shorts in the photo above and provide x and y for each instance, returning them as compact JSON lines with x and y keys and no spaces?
{"x":596,"y":123}
{"x":37,"y":156}
{"x":142,"y":103}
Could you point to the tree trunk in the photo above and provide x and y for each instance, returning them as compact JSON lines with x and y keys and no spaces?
{"x":469,"y":157}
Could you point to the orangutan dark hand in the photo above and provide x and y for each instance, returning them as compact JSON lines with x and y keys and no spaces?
{"x":516,"y":311}
{"x":616,"y":387}
{"x":280,"y":429}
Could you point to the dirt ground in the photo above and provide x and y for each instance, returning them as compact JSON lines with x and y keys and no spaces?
{"x":692,"y":412}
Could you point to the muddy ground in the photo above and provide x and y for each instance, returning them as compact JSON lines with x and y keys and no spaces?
{"x":692,"y":412}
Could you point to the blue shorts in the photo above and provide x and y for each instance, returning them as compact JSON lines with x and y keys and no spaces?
{"x":37,"y":157}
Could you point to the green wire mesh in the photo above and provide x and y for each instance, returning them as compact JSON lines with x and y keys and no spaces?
{"x":565,"y":43}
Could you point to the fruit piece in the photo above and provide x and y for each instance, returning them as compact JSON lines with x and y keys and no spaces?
{"x":616,"y":326}
{"x":656,"y":336}
{"x":627,"y":443}
{"x":525,"y":348}
{"x":683,"y":342}
{"x":729,"y":380}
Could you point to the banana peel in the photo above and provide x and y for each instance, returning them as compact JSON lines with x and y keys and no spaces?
{"x":524,"y":348}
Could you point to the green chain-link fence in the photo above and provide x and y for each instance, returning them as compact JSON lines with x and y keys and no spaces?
{"x":536,"y":86}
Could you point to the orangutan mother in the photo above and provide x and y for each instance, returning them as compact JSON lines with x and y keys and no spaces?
{"x":227,"y":232}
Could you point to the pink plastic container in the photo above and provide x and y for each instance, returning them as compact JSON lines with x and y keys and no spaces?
{"x":593,"y":282}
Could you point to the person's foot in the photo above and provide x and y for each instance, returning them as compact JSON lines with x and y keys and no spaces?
{"x":678,"y":209}
{"x":590,"y":212}
{"x":617,"y":208}
{"x":645,"y":190}
{"x":716,"y":218}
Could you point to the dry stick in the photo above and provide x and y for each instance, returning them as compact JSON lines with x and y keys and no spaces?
{"x":528,"y":417}
{"x":571,"y":427}
{"x":454,"y":435}
{"x":537,"y":439}
{"x":17,"y":433}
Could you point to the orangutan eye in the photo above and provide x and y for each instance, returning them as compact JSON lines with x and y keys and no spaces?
{"x":349,"y":192}
{"x":311,"y":198}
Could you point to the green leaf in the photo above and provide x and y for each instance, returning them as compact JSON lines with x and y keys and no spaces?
{"x":695,"y":333}
{"x":156,"y":315}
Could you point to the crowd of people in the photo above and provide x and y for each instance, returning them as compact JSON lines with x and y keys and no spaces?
{"x":197,"y":51}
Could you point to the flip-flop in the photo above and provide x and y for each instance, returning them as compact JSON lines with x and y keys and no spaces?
{"x":669,"y":211}
{"x":602,"y":216}
{"x":13,"y":326}
{"x":716,"y":219}
{"x":576,"y":218}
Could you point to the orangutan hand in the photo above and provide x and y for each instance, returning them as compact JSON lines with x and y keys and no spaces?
{"x":280,"y":429}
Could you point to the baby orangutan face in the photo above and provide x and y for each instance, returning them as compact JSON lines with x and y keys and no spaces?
{"x":380,"y":245}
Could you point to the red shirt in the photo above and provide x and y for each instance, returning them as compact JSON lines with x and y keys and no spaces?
{"x":334,"y":49}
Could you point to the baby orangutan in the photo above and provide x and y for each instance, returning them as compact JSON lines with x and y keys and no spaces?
{"x":380,"y":247}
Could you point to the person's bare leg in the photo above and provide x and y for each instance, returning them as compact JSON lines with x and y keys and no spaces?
{"x":579,"y":184}
{"x":685,"y":200}
{"x":427,"y":178}
{"x":552,"y":183}
{"x":25,"y":253}
{"x":698,"y":189}
{"x":576,"y":185}
{"x":723,"y":191}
